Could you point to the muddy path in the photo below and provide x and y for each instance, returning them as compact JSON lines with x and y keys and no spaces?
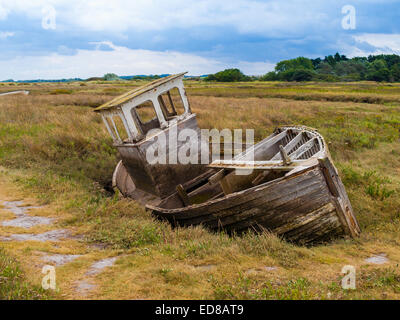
{"x":36,"y":236}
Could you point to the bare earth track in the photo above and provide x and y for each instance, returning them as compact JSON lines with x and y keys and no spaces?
{"x":36,"y":238}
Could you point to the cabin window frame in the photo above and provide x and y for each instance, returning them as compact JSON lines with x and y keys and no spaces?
{"x":138,"y":122}
{"x":167,"y":113}
{"x":183,"y":99}
{"x":133,"y":123}
{"x":137,"y":114}
{"x":108,"y":119}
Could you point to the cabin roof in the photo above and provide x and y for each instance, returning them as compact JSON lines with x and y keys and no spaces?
{"x":116,"y":102}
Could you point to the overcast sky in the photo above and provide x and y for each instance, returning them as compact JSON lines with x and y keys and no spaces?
{"x":69,"y":38}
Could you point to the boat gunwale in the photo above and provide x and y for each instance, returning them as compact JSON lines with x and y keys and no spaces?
{"x":275,"y":164}
{"x":231,"y":195}
{"x":289,"y":175}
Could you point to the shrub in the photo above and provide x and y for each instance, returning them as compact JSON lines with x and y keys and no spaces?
{"x":298,"y":63}
{"x":111,"y":77}
{"x":228,"y":75}
{"x":270,"y":76}
{"x":297,"y":75}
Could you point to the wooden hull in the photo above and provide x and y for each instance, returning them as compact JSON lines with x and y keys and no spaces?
{"x":307,"y":206}
{"x":123,"y":182}
{"x":157,"y":179}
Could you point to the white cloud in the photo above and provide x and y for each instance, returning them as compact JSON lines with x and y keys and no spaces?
{"x":351,"y":52}
{"x":365,"y":44}
{"x":384,"y":43}
{"x":3,"y":12}
{"x":262,"y":17}
{"x":6,"y":34}
{"x":255,"y":68}
{"x":119,"y":60}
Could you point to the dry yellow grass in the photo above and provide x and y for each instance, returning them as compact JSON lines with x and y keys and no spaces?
{"x":55,"y":151}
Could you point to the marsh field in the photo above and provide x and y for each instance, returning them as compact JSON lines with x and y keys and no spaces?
{"x":56,"y":156}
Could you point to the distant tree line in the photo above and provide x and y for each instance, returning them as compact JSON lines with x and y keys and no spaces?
{"x":336,"y":67}
{"x":115,"y":77}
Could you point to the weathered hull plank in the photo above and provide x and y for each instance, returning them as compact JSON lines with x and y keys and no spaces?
{"x":306,"y":203}
{"x":301,"y":208}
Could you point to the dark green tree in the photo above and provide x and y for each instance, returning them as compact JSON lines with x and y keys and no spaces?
{"x":331,"y":60}
{"x":228,"y":75}
{"x":351,"y":67}
{"x":378,"y":71}
{"x":110,"y":77}
{"x":325,"y":68}
{"x":395,"y":72}
{"x":302,"y":75}
{"x":296,"y":75}
{"x":335,"y":67}
{"x":298,"y":63}
{"x":390,"y":59}
{"x":316,"y":62}
{"x":270,"y":76}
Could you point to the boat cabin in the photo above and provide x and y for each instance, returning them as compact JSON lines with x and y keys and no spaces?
{"x":159,"y":104}
{"x":131,"y":119}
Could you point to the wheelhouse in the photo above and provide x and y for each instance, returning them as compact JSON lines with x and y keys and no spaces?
{"x":138,"y":121}
{"x":157,"y":105}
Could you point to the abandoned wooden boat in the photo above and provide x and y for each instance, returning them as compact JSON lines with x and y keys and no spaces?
{"x":286,"y":183}
{"x":136,"y":121}
{"x":293,"y":189}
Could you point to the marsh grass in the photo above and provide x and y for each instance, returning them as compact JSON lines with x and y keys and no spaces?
{"x":246,"y":288}
{"x":56,"y":148}
{"x":364,"y":92}
{"x":13,"y":285}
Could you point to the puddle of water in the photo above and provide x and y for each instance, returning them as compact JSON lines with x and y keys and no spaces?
{"x":23,"y":220}
{"x":98,"y":266}
{"x":377,"y":259}
{"x":60,"y":259}
{"x":27,"y":222}
{"x":206,"y":267}
{"x":17,"y":207}
{"x":83,"y":287}
{"x":54,"y":235}
{"x":270,"y":268}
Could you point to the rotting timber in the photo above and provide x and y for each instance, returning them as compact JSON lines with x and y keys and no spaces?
{"x":293,"y":190}
{"x":286,"y":184}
